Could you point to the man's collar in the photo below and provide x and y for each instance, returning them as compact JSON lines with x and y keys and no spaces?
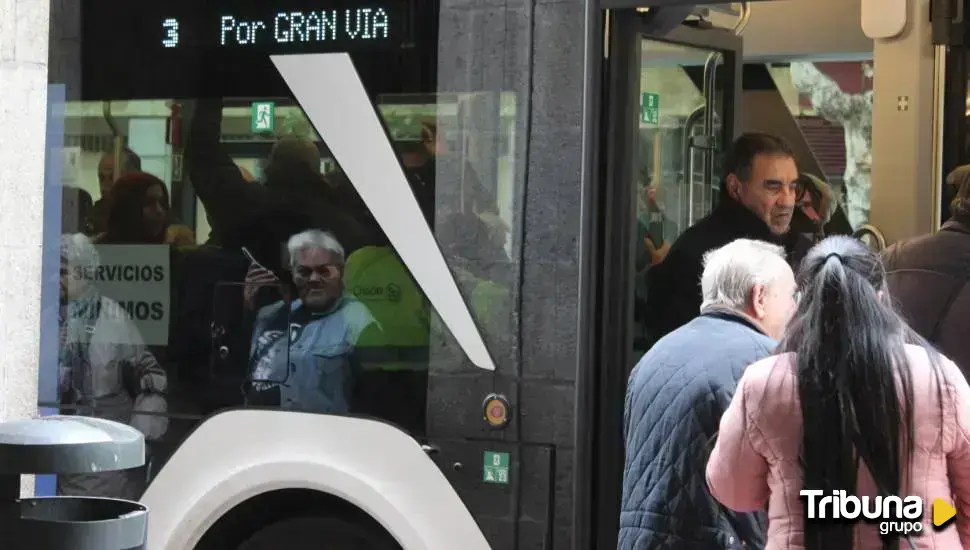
{"x":297,"y":306}
{"x":749,"y":225}
{"x":733,"y":316}
{"x":746,"y":221}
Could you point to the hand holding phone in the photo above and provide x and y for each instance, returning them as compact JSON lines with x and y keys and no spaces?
{"x":252,"y":259}
{"x":257,"y":277}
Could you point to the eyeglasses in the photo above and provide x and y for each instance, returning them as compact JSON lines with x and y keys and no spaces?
{"x":327,"y":272}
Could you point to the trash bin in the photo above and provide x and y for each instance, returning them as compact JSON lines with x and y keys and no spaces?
{"x":69,"y":445}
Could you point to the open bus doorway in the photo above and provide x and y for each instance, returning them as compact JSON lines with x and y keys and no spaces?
{"x":661,"y":141}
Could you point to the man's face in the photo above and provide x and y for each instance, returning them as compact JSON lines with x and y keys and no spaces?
{"x":775,"y":304}
{"x":106,"y":174}
{"x":770,"y":192}
{"x":318,"y":277}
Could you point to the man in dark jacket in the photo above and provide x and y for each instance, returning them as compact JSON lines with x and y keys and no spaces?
{"x":678,"y":392}
{"x":758,"y":197}
{"x":928,"y":277}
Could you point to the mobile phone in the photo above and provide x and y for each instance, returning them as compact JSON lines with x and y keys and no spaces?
{"x":253,"y":259}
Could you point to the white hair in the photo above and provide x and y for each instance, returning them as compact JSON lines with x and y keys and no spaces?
{"x":313,"y":239}
{"x":78,"y":251}
{"x":730,"y":272}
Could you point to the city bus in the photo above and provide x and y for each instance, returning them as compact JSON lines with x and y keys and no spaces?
{"x":500,"y":159}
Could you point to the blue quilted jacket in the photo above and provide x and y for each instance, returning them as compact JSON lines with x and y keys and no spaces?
{"x":675,"y":398}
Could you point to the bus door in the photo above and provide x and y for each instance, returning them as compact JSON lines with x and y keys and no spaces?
{"x":671,"y":85}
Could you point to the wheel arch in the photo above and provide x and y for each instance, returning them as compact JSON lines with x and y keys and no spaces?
{"x":238,"y":455}
{"x":260,"y":511}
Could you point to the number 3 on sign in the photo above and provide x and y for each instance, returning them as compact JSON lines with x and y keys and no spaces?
{"x":171,"y":27}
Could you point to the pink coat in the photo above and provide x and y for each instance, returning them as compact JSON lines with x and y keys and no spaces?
{"x":755,"y":460}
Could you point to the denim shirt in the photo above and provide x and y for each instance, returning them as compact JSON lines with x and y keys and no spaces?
{"x":313,"y":364}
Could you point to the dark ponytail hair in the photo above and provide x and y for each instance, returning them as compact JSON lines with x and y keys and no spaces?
{"x":855,"y":389}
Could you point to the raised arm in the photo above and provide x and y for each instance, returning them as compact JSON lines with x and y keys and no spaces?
{"x":227,"y":197}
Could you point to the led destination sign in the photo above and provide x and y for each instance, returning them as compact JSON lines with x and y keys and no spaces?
{"x":193,"y":48}
{"x":182,"y":27}
{"x":338,"y":26}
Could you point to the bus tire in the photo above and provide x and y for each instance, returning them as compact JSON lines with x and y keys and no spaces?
{"x":306,"y":533}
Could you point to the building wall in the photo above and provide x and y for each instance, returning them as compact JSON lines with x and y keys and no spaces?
{"x":23,"y":115}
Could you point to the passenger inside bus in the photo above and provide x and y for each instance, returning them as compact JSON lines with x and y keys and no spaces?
{"x":476,"y":272}
{"x":303,"y":350}
{"x":394,"y":360}
{"x":293,"y":182}
{"x":818,"y":213}
{"x":138,"y":210}
{"x":77,"y":208}
{"x":130,"y":162}
{"x":758,"y":199}
{"x":435,"y":149}
{"x":104,"y":368}
{"x":214,"y":333}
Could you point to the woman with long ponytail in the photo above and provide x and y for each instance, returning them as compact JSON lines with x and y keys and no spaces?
{"x":854,"y":402}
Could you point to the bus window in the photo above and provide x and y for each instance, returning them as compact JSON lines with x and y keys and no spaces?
{"x":232,"y":256}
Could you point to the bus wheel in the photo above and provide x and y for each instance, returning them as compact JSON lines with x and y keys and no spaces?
{"x":307,"y":533}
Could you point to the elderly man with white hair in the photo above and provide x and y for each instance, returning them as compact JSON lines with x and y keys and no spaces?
{"x":678,"y":392}
{"x":304,"y":347}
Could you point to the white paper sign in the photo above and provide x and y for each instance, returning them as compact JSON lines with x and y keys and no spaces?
{"x":138,"y":277}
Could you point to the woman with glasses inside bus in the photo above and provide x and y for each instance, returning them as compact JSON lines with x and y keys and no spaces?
{"x":855,"y":402}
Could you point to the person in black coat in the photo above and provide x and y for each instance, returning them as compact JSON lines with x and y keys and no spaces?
{"x":758,"y":197}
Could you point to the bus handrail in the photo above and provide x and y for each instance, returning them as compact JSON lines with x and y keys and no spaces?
{"x":743,"y":19}
{"x":710,"y":73}
{"x":874,"y":232}
{"x":109,"y":119}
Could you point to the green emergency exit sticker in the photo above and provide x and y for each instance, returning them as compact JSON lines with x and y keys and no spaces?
{"x":496,"y":468}
{"x":263,"y":116}
{"x":650,"y":108}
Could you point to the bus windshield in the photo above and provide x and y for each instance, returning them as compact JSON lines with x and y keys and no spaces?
{"x":270,"y":207}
